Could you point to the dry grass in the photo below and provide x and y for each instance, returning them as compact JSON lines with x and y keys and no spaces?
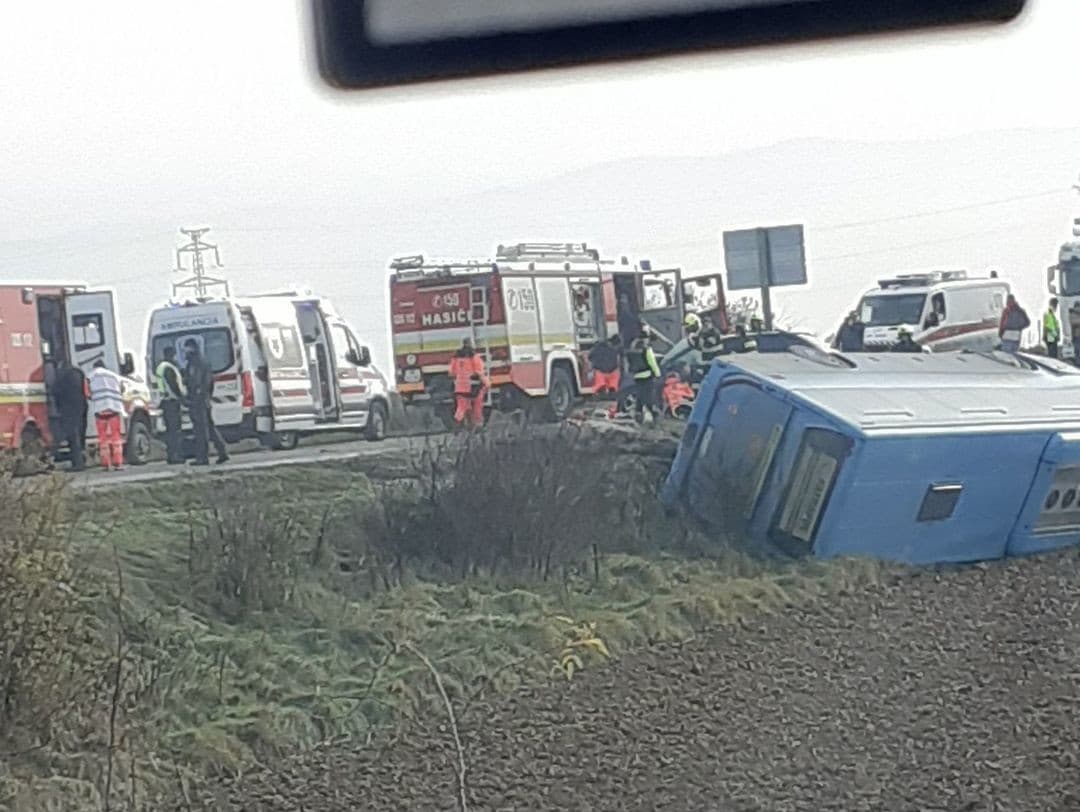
{"x":267,"y":611}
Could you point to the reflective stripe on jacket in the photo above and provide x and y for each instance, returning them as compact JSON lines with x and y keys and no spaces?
{"x":1014,"y":318}
{"x":106,"y":394}
{"x":166,"y":390}
{"x":462,"y":369}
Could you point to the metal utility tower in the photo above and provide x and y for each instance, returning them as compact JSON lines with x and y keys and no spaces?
{"x":199,"y":281}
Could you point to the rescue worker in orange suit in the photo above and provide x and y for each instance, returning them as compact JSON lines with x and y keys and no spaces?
{"x":70,"y":388}
{"x":604,"y":360}
{"x":107,"y":403}
{"x":470,"y":385}
{"x":678,"y":395}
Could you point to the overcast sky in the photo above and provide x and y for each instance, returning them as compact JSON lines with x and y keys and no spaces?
{"x":124,"y":120}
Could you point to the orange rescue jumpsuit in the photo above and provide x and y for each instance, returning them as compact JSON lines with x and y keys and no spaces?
{"x":463,"y":369}
{"x":677,"y":393}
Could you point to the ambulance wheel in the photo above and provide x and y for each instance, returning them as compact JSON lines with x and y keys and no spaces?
{"x":377,"y":422}
{"x":284,"y":440}
{"x":139,"y":443}
{"x":560,"y":399}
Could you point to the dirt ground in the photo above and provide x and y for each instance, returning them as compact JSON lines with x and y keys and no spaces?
{"x":950,"y":690}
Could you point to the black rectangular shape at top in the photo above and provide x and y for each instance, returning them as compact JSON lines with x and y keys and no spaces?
{"x":352,"y":56}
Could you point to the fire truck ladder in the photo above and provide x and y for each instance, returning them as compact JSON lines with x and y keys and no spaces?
{"x":479,"y":314}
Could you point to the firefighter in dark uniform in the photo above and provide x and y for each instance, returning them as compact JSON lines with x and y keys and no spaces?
{"x":199,"y":381}
{"x":70,"y":396}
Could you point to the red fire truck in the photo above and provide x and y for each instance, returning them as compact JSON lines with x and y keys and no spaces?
{"x":43,"y":325}
{"x":533,"y":313}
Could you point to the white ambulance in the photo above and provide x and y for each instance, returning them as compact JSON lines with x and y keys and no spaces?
{"x":943,"y":310}
{"x":285,"y":365}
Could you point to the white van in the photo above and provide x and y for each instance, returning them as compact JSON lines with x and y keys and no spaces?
{"x":284,"y":365}
{"x":943,"y":310}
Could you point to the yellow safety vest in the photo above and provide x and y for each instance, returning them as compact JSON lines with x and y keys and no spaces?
{"x":162,"y":388}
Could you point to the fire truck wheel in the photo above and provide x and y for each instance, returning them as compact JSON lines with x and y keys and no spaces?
{"x":560,"y":399}
{"x":377,"y":422}
{"x":139,"y":443}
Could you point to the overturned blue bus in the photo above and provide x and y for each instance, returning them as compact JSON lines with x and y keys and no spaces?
{"x":954,"y":457}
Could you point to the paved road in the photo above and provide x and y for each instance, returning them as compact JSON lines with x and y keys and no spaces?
{"x":246,"y":460}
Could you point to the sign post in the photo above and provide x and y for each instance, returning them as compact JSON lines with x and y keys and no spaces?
{"x":764,"y":258}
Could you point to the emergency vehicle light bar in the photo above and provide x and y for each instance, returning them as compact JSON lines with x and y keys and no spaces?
{"x":918,"y":280}
{"x":415,"y":266}
{"x":532,"y":250}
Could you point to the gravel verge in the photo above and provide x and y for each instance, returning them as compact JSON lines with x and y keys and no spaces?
{"x":935,"y":690}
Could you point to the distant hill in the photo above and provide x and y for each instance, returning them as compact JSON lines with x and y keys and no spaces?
{"x":862,"y":203}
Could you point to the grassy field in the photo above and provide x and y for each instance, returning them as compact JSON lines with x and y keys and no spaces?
{"x":249,"y":614}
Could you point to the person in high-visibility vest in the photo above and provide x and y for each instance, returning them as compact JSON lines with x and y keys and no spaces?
{"x":470,"y":385}
{"x":169,"y":385}
{"x":1051,"y":329}
{"x":646,"y":372}
{"x":107,"y":403}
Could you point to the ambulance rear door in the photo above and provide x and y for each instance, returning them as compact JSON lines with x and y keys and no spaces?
{"x":292,"y":401}
{"x":91,"y":330}
{"x":90,"y":321}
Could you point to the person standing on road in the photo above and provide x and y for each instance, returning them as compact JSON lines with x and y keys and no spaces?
{"x":199,"y":381}
{"x":1014,"y":320}
{"x":107,"y":401}
{"x":604,"y":360}
{"x":171,"y":393}
{"x":1051,"y":329}
{"x":646,"y":372}
{"x":470,"y":385}
{"x":70,"y":389}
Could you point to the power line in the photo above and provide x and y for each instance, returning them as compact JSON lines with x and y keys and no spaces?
{"x":879,"y":220}
{"x":947,"y":210}
{"x":986,"y":232}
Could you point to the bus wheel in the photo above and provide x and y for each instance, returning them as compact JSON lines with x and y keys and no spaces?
{"x":139,"y":443}
{"x":377,"y":422}
{"x":284,"y":440}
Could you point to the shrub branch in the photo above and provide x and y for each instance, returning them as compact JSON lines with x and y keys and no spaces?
{"x":463,"y":803}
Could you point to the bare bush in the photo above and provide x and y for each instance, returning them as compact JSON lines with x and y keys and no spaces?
{"x":521,"y":501}
{"x":47,"y":672}
{"x":245,"y":556}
